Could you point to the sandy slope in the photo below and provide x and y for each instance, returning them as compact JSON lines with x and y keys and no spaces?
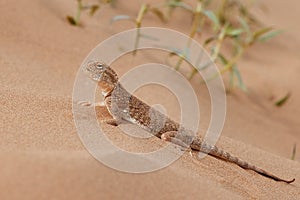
{"x":42,"y":156}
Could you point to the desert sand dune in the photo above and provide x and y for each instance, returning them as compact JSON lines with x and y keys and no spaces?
{"x":42,"y":157}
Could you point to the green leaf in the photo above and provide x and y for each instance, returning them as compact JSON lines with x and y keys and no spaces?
{"x":178,"y":3}
{"x":111,"y":2}
{"x":209,"y":40}
{"x":244,"y":24}
{"x":175,"y":51}
{"x":294,"y":152}
{"x":121,"y":17}
{"x":71,"y":20}
{"x":159,"y":14}
{"x":234,"y":32}
{"x":261,"y":32}
{"x":223,"y":59}
{"x":237,"y":48}
{"x":211,"y":15}
{"x":206,"y":3}
{"x":93,"y":9}
{"x":282,"y":101}
{"x":239,"y":78}
{"x":243,"y":10}
{"x":267,"y":36}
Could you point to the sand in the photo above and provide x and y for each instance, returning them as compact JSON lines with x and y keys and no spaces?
{"x":42,"y":156}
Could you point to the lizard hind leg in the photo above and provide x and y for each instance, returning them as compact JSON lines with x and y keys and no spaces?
{"x":171,"y":137}
{"x":114,"y":122}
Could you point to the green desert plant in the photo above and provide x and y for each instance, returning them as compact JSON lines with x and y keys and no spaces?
{"x":282,"y":101}
{"x":92,"y":9}
{"x":294,"y":152}
{"x":228,"y":22}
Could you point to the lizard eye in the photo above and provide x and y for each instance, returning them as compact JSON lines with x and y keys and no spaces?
{"x":99,"y":66}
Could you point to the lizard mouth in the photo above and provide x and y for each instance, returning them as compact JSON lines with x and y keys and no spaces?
{"x":95,"y":77}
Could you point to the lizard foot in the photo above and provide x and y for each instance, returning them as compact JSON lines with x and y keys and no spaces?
{"x":112,"y":122}
{"x":88,"y":104}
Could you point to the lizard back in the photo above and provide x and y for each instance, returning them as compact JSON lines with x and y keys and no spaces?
{"x":125,"y":106}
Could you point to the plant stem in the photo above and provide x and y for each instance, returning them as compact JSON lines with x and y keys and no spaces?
{"x":219,"y":43}
{"x":143,"y":10}
{"x":79,"y":8}
{"x":222,"y":10}
{"x":228,"y":66}
{"x":197,"y":15}
{"x":294,"y":152}
{"x":217,"y":49}
{"x":233,"y":61}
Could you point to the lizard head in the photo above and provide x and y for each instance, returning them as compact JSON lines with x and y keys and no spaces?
{"x":106,"y":77}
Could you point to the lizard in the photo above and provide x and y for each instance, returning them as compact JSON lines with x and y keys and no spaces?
{"x":126,"y":108}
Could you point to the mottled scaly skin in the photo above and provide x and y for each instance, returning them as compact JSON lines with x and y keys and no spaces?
{"x":125,"y":107}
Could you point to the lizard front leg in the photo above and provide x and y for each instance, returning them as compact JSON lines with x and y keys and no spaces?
{"x":114,"y":122}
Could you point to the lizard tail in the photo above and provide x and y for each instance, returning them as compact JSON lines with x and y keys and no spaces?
{"x":219,"y":153}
